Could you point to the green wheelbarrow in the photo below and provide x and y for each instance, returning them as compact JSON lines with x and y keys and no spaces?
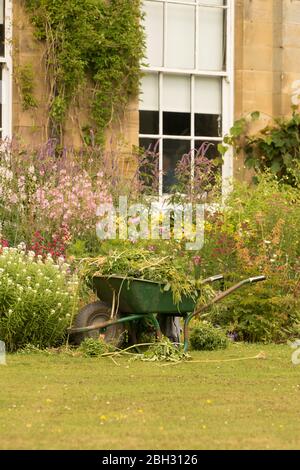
{"x":127,"y":300}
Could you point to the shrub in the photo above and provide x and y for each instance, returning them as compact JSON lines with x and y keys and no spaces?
{"x":91,"y":347}
{"x":266,"y":312}
{"x":37,"y":299}
{"x":205,"y":337}
{"x":273,"y":149}
{"x":258,"y":233}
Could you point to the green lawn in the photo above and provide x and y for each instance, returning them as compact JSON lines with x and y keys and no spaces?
{"x":64,"y":402}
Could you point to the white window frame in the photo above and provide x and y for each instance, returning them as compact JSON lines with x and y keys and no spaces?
{"x":7,"y":67}
{"x":226,"y":75}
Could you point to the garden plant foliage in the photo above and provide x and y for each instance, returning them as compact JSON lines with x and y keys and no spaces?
{"x":38,"y":299}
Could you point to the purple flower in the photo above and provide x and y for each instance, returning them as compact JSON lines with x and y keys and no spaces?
{"x":232,"y":336}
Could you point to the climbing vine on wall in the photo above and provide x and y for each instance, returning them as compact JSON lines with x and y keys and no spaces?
{"x":89,"y":41}
{"x":26,"y":83}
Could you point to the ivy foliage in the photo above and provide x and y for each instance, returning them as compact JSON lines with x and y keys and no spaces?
{"x":90,"y":41}
{"x":274,"y":149}
{"x":26,"y":85}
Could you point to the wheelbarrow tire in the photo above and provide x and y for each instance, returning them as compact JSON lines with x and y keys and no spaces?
{"x":97,"y":312}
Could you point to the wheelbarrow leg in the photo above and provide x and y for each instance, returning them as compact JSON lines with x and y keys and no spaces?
{"x":187,"y":320}
{"x":156,"y":325}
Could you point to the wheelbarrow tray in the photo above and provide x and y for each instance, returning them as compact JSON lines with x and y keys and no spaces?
{"x":139,"y":296}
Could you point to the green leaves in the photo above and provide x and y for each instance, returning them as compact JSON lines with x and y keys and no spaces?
{"x":222,"y":149}
{"x":276,"y":148}
{"x":255,"y":115}
{"x":37,"y":298}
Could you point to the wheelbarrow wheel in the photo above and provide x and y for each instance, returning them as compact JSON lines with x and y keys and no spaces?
{"x":93,"y":313}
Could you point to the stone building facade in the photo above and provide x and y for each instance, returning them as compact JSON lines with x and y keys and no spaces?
{"x":210,"y":62}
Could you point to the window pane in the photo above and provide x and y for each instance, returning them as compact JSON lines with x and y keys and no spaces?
{"x":177,"y":123}
{"x":209,"y":125}
{"x":149,"y":92}
{"x":2,"y":34}
{"x":154,"y":27}
{"x":0,"y":102}
{"x":149,"y":168}
{"x":212,"y":148}
{"x":176,"y":93}
{"x":173,"y":151}
{"x":150,"y":145}
{"x":149,"y":122}
{"x":180,"y":36}
{"x":208,"y":95}
{"x":185,"y":1}
{"x":211,"y":55}
{"x":214,"y":2}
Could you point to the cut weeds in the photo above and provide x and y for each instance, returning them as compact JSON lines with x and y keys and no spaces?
{"x":62,"y":402}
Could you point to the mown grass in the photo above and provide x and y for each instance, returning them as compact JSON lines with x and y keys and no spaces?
{"x":64,"y":402}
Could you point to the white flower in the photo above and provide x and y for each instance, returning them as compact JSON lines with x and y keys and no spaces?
{"x":22,"y":246}
{"x":267,"y":242}
{"x":61,"y":260}
{"x":31,"y":170}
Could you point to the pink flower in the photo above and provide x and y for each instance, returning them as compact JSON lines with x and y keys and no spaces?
{"x":197,"y":260}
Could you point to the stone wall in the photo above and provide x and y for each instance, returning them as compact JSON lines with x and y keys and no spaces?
{"x":267,"y":59}
{"x":29,"y":125}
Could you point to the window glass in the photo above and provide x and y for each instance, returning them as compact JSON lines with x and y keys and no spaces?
{"x":149,"y":122}
{"x":150,"y":145}
{"x":176,"y":93}
{"x":208,"y":95}
{"x":2,"y":48}
{"x":154,"y":28}
{"x":0,"y":102}
{"x":173,"y":151}
{"x":211,"y":41}
{"x":212,"y":148}
{"x":149,"y":92}
{"x":176,"y":123}
{"x":213,"y":2}
{"x":209,"y":125}
{"x":180,"y":47}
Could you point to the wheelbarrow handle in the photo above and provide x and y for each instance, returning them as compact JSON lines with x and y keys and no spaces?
{"x":229,"y":291}
{"x":220,"y":296}
{"x":256,"y":279}
{"x":217,"y":277}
